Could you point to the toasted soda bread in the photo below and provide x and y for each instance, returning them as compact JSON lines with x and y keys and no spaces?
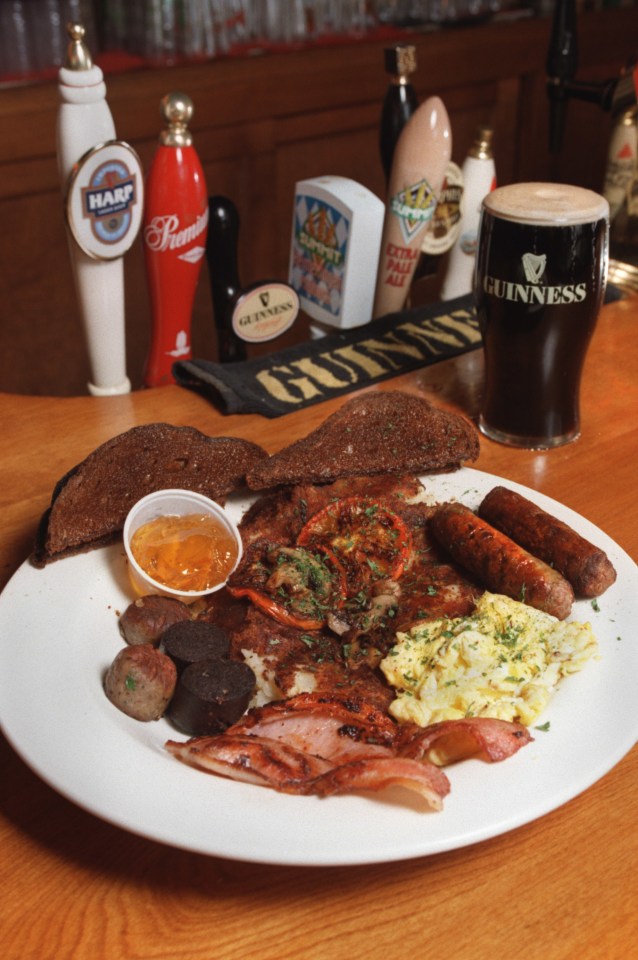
{"x":374,"y":433}
{"x":90,"y":503}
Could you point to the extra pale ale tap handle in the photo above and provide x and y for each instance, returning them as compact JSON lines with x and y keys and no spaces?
{"x":421,"y":156}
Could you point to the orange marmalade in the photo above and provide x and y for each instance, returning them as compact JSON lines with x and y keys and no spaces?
{"x":191,"y":552}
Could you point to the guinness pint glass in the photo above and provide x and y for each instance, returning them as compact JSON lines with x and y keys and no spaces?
{"x":540,"y":276}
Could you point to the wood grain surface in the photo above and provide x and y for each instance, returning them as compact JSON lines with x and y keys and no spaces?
{"x":563,"y":887}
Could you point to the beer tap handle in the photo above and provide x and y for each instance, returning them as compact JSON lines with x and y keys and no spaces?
{"x":562,"y":63}
{"x":101,"y":179}
{"x":616,"y":95}
{"x":625,"y":93}
{"x":175,"y":225}
{"x":400,"y":100}
{"x":222,"y":258}
{"x":421,"y":157}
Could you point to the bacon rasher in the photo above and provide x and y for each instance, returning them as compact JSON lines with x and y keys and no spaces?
{"x":339,"y":730}
{"x":451,"y":740}
{"x":268,"y":763}
{"x":323,"y":746}
{"x":379,"y":773}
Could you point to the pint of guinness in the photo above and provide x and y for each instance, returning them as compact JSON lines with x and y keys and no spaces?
{"x":540,"y":276}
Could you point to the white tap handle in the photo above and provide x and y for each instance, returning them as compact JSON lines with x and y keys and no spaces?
{"x":103,"y":211}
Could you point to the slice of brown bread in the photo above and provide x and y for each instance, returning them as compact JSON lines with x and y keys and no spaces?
{"x":374,"y":433}
{"x":90,"y":503}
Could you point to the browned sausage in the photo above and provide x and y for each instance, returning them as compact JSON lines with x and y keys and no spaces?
{"x":146,"y":618}
{"x":499,"y":563}
{"x":141,"y":681}
{"x":587,"y":568}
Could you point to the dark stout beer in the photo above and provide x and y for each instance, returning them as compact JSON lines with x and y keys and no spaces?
{"x":539,"y":282}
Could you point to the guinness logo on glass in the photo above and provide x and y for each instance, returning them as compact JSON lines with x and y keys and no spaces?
{"x":534,"y":292}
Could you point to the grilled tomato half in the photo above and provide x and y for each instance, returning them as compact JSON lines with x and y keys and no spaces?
{"x":369,"y":541}
{"x":296,"y":586}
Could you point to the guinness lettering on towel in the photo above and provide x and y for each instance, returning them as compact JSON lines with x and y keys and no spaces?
{"x":539,"y":283}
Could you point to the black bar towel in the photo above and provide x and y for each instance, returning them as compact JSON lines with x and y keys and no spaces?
{"x":338,"y":363}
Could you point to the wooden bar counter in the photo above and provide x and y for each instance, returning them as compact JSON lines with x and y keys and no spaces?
{"x":562,"y":887}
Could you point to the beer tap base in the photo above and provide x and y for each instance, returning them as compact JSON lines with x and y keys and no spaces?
{"x":121,"y":388}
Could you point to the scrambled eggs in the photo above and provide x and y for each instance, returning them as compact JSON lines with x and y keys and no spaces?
{"x":503,"y":661}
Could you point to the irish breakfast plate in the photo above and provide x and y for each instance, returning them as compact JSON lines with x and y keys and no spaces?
{"x":59,"y":633}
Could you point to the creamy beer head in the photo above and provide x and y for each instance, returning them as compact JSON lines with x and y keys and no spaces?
{"x":546,"y":204}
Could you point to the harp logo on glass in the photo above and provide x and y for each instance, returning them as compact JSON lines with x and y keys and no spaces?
{"x":533,"y":266}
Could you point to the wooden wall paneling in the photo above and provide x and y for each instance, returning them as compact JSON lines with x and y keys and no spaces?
{"x":29,"y":176}
{"x":28,"y":126}
{"x":503,"y":118}
{"x":40,"y":339}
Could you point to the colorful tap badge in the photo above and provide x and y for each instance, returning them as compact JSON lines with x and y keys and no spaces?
{"x":414,"y":207}
{"x":264,"y":312}
{"x":320,"y":243}
{"x":445,"y":225}
{"x":104,"y":200}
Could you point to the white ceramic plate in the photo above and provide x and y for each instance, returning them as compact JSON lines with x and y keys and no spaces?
{"x":59,"y":632}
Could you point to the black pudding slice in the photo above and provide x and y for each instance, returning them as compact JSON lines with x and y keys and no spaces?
{"x":190,"y":641}
{"x":211,"y":695}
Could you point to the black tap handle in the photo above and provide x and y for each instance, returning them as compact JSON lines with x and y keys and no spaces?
{"x":562,"y":56}
{"x":400,"y":100}
{"x":616,"y":95}
{"x":222,"y":246}
{"x":562,"y":63}
{"x":399,"y":104}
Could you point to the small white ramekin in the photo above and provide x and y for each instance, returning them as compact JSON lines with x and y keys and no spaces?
{"x":171,"y":503}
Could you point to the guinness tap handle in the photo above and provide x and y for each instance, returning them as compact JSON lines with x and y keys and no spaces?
{"x":222,"y":256}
